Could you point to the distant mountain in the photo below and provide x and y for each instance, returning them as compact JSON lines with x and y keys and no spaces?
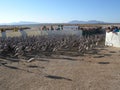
{"x":19,"y":23}
{"x":86,"y":22}
{"x":71,"y":22}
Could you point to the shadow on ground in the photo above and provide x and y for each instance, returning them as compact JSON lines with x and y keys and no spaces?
{"x":34,"y":66}
{"x":58,"y":77}
{"x":103,"y":62}
{"x":112,"y":52}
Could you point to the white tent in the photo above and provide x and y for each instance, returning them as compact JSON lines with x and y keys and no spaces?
{"x":112,"y":39}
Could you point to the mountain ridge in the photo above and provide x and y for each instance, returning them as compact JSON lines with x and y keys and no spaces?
{"x":70,"y":22}
{"x":19,"y":23}
{"x":86,"y":22}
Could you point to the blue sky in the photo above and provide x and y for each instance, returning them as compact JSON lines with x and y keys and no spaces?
{"x":59,"y":11}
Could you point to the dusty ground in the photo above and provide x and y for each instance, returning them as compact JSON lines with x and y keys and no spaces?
{"x":98,"y":70}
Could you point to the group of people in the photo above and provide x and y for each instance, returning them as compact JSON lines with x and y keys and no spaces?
{"x":92,"y":31}
{"x":113,"y":29}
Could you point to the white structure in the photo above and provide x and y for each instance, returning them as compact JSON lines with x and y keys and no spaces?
{"x":30,"y":32}
{"x":70,"y":27}
{"x":11,"y":33}
{"x":112,"y":39}
{"x":33,"y":33}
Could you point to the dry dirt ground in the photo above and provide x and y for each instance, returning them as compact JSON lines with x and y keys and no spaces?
{"x":98,"y":70}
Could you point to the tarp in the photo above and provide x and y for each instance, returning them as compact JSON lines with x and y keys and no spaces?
{"x":28,"y":32}
{"x":112,"y":39}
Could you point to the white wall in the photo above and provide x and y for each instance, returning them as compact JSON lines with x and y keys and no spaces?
{"x":11,"y":33}
{"x":25,"y":33}
{"x":112,"y":39}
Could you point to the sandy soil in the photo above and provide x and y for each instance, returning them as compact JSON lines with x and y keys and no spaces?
{"x":98,"y":70}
